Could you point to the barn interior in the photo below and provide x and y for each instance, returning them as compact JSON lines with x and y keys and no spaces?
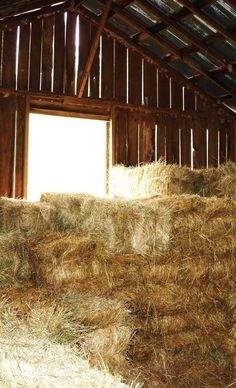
{"x":118,"y":193}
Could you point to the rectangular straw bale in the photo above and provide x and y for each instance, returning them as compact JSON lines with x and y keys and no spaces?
{"x":62,"y":259}
{"x":153,"y":179}
{"x":123,"y":226}
{"x":27,"y":217}
{"x":200,"y":224}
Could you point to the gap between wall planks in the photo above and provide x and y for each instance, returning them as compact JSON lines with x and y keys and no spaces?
{"x":134,"y":134}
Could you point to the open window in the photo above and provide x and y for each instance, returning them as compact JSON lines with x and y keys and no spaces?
{"x":67,"y":154}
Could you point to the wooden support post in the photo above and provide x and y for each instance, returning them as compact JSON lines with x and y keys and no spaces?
{"x":93,"y":49}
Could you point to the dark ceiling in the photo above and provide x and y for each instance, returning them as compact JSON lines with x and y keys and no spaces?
{"x":194,"y":37}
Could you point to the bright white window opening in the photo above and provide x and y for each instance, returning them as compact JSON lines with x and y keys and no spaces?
{"x":66,"y":155}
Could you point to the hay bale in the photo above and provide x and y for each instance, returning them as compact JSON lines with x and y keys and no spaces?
{"x":122,"y":226}
{"x":153,"y":179}
{"x":201,"y":225}
{"x":220,"y":182}
{"x":26,"y":217}
{"x":15,"y":268}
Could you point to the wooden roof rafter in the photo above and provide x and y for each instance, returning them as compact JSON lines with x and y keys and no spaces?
{"x":196,"y":43}
{"x":160,"y":63}
{"x":175,"y":53}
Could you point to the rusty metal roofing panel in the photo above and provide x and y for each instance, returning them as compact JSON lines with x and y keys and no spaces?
{"x":174,"y":38}
{"x":207,"y":63}
{"x":211,"y":88}
{"x":197,"y":27}
{"x":226,"y":49}
{"x":229,"y":80}
{"x":94,"y":6}
{"x":123,"y":26}
{"x":147,"y":19}
{"x":182,"y":68}
{"x":222,"y":13}
{"x":154,"y":47}
{"x":167,"y":6}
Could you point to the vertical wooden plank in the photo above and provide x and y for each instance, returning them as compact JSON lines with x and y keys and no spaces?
{"x":213,"y":127}
{"x":163,"y":91}
{"x":161,"y":139}
{"x":95,"y":69}
{"x":7,"y":141}
{"x":120,"y":72}
{"x":1,"y":50}
{"x":107,"y":66}
{"x":189,"y":100}
{"x":59,"y":53}
{"x":150,"y":85}
{"x":9,"y":59}
{"x":132,"y":138}
{"x":135,"y":78}
{"x":35,"y":54}
{"x":223,"y":131}
{"x":172,"y":139}
{"x":84,"y":46}
{"x":176,"y":95}
{"x":23,"y":64}
{"x":70,"y":54}
{"x":20,"y":146}
{"x":147,"y":138}
{"x":120,"y":144}
{"x":186,"y":125}
{"x":47,"y":56}
{"x":199,"y":143}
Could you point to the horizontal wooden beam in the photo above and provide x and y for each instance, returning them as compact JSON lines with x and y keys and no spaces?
{"x":101,"y":106}
{"x":207,"y":19}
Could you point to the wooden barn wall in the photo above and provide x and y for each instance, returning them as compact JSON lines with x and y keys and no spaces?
{"x":49,"y":54}
{"x":12,"y":145}
{"x":198,"y":142}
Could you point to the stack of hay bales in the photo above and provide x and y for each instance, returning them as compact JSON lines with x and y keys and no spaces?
{"x":145,"y":288}
{"x":178,"y":297}
{"x":161,"y":179}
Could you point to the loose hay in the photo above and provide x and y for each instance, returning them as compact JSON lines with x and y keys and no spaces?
{"x":122,"y":226}
{"x":26,"y":217}
{"x":31,"y":360}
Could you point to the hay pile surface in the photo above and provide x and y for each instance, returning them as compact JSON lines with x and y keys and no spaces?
{"x":153,"y":179}
{"x":164,"y":318}
{"x":161,"y":179}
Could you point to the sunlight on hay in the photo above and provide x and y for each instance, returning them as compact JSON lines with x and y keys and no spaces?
{"x":153,"y":179}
